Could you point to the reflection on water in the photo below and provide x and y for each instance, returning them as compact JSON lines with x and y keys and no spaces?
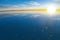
{"x":29,"y":27}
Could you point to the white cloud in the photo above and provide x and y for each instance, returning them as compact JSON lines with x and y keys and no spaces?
{"x":26,"y":5}
{"x":34,"y":3}
{"x":56,"y":1}
{"x":20,"y":6}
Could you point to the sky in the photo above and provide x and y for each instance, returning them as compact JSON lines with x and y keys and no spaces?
{"x":14,"y":4}
{"x":25,"y":2}
{"x":19,"y":1}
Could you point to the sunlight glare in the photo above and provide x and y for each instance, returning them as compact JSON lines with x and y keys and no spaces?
{"x":51,"y":9}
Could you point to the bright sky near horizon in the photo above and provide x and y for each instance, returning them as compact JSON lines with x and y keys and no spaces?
{"x":24,"y":4}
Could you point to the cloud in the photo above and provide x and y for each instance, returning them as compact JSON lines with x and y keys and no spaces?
{"x":34,"y":3}
{"x":56,"y":1}
{"x":27,"y":5}
{"x":30,"y":4}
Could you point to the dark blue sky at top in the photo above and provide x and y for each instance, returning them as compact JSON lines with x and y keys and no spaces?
{"x":20,"y":1}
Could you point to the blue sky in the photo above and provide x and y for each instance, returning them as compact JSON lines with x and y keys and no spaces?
{"x":7,"y":3}
{"x":21,"y":1}
{"x":16,"y":2}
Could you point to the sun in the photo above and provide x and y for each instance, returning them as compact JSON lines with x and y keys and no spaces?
{"x":51,"y":9}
